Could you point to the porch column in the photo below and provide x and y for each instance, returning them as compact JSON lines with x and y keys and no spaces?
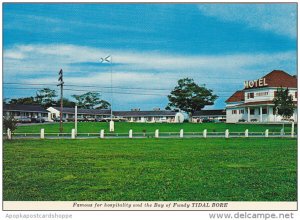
{"x":248,"y":114}
{"x":260,"y":113}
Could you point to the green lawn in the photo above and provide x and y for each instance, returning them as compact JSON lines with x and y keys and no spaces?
{"x":150,"y":170}
{"x":123,"y":127}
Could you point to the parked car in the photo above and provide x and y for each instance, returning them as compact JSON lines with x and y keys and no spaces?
{"x":242,"y":120}
{"x":80,"y":119}
{"x":24,"y":120}
{"x":37,"y":120}
{"x":287,"y":120}
{"x":206,"y":120}
{"x":101,"y":120}
{"x":89,"y":119}
{"x":161,"y":120}
{"x":116,"y":119}
{"x":58,"y":119}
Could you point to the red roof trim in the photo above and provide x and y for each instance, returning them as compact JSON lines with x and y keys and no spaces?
{"x":238,"y":96}
{"x":278,"y":78}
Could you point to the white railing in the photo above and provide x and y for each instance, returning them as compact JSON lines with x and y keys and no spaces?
{"x":155,"y":134}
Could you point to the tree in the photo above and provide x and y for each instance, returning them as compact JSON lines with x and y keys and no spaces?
{"x":103,"y":105}
{"x":190,"y":97}
{"x":5,"y":101}
{"x":90,"y":100}
{"x":284,"y":105}
{"x":9,"y":122}
{"x":26,"y":101}
{"x":66,"y":103}
{"x":45,"y":97}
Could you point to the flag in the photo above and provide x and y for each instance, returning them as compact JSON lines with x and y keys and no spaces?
{"x":106,"y":59}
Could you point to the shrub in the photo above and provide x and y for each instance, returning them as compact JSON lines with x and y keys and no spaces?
{"x":9,"y":122}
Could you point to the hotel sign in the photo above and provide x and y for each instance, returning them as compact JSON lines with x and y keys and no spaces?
{"x":255,"y":83}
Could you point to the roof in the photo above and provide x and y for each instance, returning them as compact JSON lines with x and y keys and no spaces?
{"x":279,"y":78}
{"x":238,"y":96}
{"x":117,"y":113}
{"x":276,"y":78}
{"x":144,"y":113}
{"x":24,"y":108}
{"x":210,"y":112}
{"x":85,"y":111}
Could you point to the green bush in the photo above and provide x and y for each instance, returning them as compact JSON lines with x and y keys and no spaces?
{"x":9,"y":122}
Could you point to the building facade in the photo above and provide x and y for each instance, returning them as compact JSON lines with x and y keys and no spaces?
{"x":255,"y":102}
{"x":69,"y":113}
{"x":217,"y":115}
{"x":29,"y":111}
{"x":130,"y":116}
{"x":151,"y":116}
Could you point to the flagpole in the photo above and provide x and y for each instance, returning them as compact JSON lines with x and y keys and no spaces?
{"x":111,"y":123}
{"x":111,"y":89}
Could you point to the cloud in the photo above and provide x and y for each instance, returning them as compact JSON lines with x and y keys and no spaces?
{"x":50,"y":57}
{"x":154,"y":73}
{"x":24,"y":22}
{"x":277,"y":18}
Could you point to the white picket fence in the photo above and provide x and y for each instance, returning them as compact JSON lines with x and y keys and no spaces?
{"x":155,"y":134}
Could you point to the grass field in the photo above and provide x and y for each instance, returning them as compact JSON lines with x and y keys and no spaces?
{"x":150,"y":170}
{"x":123,"y":127}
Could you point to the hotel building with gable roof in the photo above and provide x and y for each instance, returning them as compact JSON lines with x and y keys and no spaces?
{"x":255,"y":102}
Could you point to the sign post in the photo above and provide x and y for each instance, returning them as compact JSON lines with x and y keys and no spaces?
{"x":76,"y":120}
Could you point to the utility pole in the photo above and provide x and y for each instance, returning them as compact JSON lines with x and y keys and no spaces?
{"x":61,"y":84}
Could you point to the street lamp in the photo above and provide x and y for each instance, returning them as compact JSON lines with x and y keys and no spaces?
{"x":108,"y":59}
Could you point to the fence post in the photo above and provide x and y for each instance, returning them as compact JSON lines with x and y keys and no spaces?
{"x":8,"y":134}
{"x":111,"y":126}
{"x":156,"y":133}
{"x":246,"y":133}
{"x":293,"y":129}
{"x":102,"y":133}
{"x":181,"y":133}
{"x":267,"y":133}
{"x":42,"y":133}
{"x":281,"y":132}
{"x":205,"y":133}
{"x":73,"y":134}
{"x":130,"y":133}
{"x":227,"y":133}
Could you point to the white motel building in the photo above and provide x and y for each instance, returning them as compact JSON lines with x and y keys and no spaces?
{"x":255,"y":102}
{"x":135,"y":115}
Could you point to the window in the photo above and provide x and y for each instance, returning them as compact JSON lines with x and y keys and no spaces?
{"x":234,"y":112}
{"x":275,"y":93}
{"x":296,"y":95}
{"x":264,"y":111}
{"x":252,"y":111}
{"x":250,"y":95}
{"x":261,"y":94}
{"x":241,"y":111}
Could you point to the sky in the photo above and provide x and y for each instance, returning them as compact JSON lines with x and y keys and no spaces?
{"x":152,"y":46}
